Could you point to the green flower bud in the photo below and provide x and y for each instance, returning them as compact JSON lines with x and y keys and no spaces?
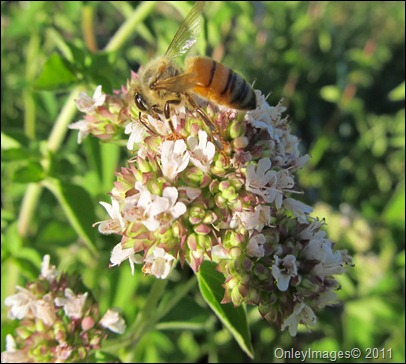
{"x":237,"y":129}
{"x":240,"y":142}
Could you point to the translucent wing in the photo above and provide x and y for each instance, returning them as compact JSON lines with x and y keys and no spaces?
{"x":187,"y":33}
{"x":179,"y":83}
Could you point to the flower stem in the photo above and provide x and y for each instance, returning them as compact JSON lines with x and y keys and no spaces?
{"x":58,"y":133}
{"x":152,"y":312}
{"x":125,"y":31}
{"x":88,"y":27}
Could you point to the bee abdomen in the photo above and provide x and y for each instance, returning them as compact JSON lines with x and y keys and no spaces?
{"x":221,"y":84}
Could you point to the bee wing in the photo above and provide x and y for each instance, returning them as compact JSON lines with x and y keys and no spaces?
{"x":187,"y":33}
{"x":179,"y":83}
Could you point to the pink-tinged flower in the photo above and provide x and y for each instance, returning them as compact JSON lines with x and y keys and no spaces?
{"x":22,"y":304}
{"x":88,"y":104}
{"x":283,"y":270}
{"x":218,"y":252}
{"x":118,"y":255}
{"x":174,"y":158}
{"x":48,"y":272}
{"x":202,"y":151}
{"x":192,"y":193}
{"x":72,"y":305}
{"x":113,"y":321}
{"x":255,"y":246}
{"x":116,"y":223}
{"x":302,"y":314}
{"x":160,"y":262}
{"x":84,"y":127}
{"x":136,"y":131}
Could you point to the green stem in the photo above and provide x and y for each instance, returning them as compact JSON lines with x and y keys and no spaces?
{"x":30,"y":201}
{"x":126,"y":30}
{"x":146,"y":316}
{"x":151,"y":313}
{"x":65,"y":117}
{"x":28,"y":98}
{"x":33,"y":193}
{"x":88,"y":27}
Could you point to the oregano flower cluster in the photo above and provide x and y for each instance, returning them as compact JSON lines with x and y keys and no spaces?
{"x":229,"y":195}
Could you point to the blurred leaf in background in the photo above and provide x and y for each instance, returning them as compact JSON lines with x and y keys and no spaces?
{"x":339,"y":67}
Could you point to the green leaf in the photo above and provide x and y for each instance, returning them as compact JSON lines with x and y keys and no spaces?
{"x":99,"y":356}
{"x":29,"y":172}
{"x":56,"y":74}
{"x":398,"y":93}
{"x":234,"y":318}
{"x":394,"y":212}
{"x":330,"y":93}
{"x":78,"y":207}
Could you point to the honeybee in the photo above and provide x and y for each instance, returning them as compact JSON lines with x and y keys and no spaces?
{"x":163,"y":83}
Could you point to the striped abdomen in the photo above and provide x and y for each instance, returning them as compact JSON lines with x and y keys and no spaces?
{"x":221,"y":84}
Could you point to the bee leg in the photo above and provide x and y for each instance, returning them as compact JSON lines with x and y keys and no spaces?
{"x":146,"y":126}
{"x":202,"y":114}
{"x":218,"y":140}
{"x":167,"y":111}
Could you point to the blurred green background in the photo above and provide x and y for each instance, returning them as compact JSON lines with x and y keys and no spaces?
{"x":339,"y":66}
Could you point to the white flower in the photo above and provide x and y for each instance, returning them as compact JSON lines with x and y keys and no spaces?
{"x":113,"y":321}
{"x":176,"y":209}
{"x":266,"y":116}
{"x":301,"y":314}
{"x":118,"y":255}
{"x":326,"y":298}
{"x":72,"y":305}
{"x":10,"y":343}
{"x":255,"y":246}
{"x":283,"y":270}
{"x":152,"y":206}
{"x":259,"y":180}
{"x":157,"y":210}
{"x":160,"y":262}
{"x":88,"y":104}
{"x":174,"y":158}
{"x":47,"y":271}
{"x":313,"y":231}
{"x":331,"y":262}
{"x":22,"y":304}
{"x":260,"y":176}
{"x":192,"y":193}
{"x":83,"y":126}
{"x":251,"y":220}
{"x":299,"y":209}
{"x":116,"y":223}
{"x":45,"y":310}
{"x":12,"y":355}
{"x":202,"y":151}
{"x":218,"y":252}
{"x":136,"y":131}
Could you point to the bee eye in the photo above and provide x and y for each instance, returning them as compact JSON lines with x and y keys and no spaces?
{"x":140,"y":103}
